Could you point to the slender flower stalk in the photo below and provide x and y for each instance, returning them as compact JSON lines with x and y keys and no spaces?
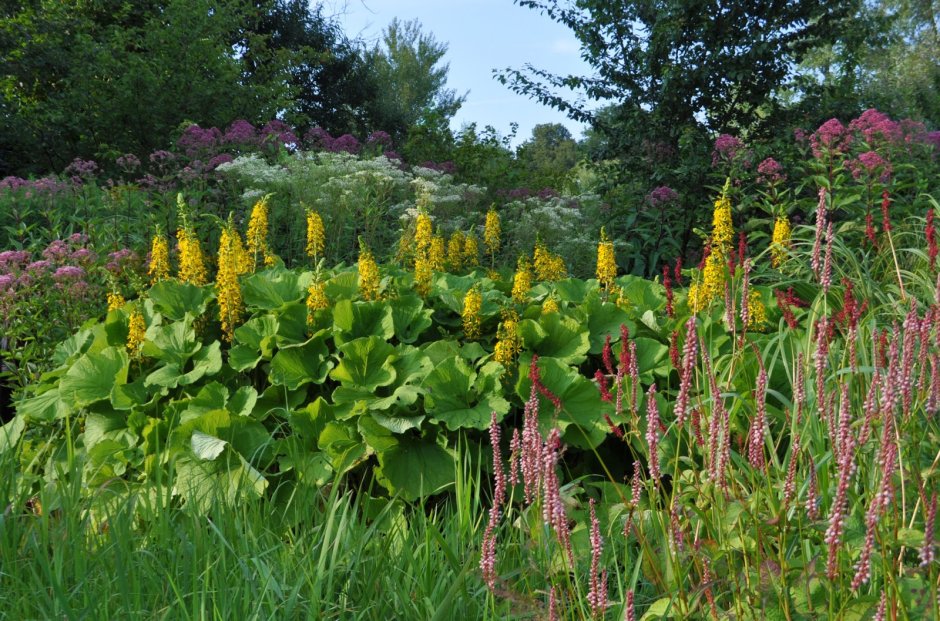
{"x":597,"y":594}
{"x":159,"y":268}
{"x":136,"y":329}
{"x":257,"y":236}
{"x":606,"y":262}
{"x":689,"y":355}
{"x":927,"y":554}
{"x":472,"y":303}
{"x":488,"y":553}
{"x":368,"y":274}
{"x":228,"y":291}
{"x":820,"y":227}
{"x":491,"y":234}
{"x":756,"y":436}
{"x":780,"y":241}
{"x":522,"y":281}
{"x":316,"y":235}
{"x":652,"y":433}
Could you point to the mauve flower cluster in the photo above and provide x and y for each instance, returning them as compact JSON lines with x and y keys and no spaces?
{"x":871,"y":165}
{"x":46,"y":186}
{"x":875,"y":126}
{"x":240,"y":132}
{"x":278,"y":133}
{"x":727,"y":149}
{"x":770,"y":172}
{"x":81,"y":170}
{"x":663,"y":195}
{"x":196,"y":140}
{"x":128,"y":162}
{"x":832,"y":138}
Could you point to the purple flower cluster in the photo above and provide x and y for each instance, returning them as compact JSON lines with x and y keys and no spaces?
{"x":46,"y":186}
{"x":122,"y":259}
{"x":346,"y":143}
{"x":875,"y":126}
{"x":380,"y":138}
{"x":128,"y":162}
{"x":278,"y":133}
{"x":195,"y":140}
{"x":727,"y":148}
{"x":661,"y":196}
{"x":81,"y":170}
{"x":240,"y":132}
{"x":871,"y":165}
{"x":770,"y":172}
{"x":448,"y":167}
{"x":832,"y":137}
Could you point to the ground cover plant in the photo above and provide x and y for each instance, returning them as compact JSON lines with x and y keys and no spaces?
{"x":498,"y":433}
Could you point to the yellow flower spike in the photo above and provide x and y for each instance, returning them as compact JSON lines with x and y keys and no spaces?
{"x":316,"y":235}
{"x":115,"y":301}
{"x":228,"y":291}
{"x":257,"y":235}
{"x":136,"y":328}
{"x":756,"y":312}
{"x":368,"y":274}
{"x":471,"y":251}
{"x":606,"y":262}
{"x":550,"y":305}
{"x":316,"y":300}
{"x":437,"y":254}
{"x":423,"y":233}
{"x":508,"y":343}
{"x":159,"y":268}
{"x":780,"y":242}
{"x":522,"y":281}
{"x":423,"y":274}
{"x":472,"y":303}
{"x":722,"y":227}
{"x":455,"y":246}
{"x":192,"y":262}
{"x":492,"y":232}
{"x":243,"y":260}
{"x":548,"y":266}
{"x":713,"y":279}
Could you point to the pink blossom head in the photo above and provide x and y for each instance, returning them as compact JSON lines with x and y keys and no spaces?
{"x":727,"y":148}
{"x":661,"y":196}
{"x":876,"y":126}
{"x":279,"y":133}
{"x":13,"y":259}
{"x":832,"y":137}
{"x":319,"y":139}
{"x":870,"y":165}
{"x":770,"y":171}
{"x":240,"y":132}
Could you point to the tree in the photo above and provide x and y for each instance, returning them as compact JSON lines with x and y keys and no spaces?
{"x":329,"y":80}
{"x":97,"y":79}
{"x":411,"y":81}
{"x":548,"y":156}
{"x":669,"y":66}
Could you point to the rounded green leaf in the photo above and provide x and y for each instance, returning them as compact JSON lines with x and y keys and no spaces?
{"x":94,"y":376}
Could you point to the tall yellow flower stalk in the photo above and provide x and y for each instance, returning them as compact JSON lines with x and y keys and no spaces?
{"x":316,"y":299}
{"x":455,"y":246}
{"x":192,"y":261}
{"x":756,"y":311}
{"x":368,"y":274}
{"x":471,"y":250}
{"x":472,"y":303}
{"x":522,"y":281}
{"x":780,"y":242}
{"x":423,"y":274}
{"x":712,"y":283}
{"x":606,"y":262}
{"x":548,"y":266}
{"x":491,"y":234}
{"x":423,"y":233}
{"x":257,"y":234}
{"x":316,"y":235}
{"x":722,"y":227}
{"x":136,"y":328}
{"x":115,"y":300}
{"x":508,"y":342}
{"x":437,"y":255}
{"x":228,"y":292}
{"x":549,"y":305}
{"x":159,"y":268}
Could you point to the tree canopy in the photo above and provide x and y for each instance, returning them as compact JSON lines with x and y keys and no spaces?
{"x":668,"y":66}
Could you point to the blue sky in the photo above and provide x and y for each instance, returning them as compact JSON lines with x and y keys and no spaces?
{"x":481,"y":35}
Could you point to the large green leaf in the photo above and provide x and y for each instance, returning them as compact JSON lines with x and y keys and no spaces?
{"x":602,"y":319}
{"x":652,"y":359}
{"x":308,"y":423}
{"x":296,"y":365}
{"x":460,"y":398}
{"x":273,"y":288}
{"x":365,"y":364}
{"x":45,"y":406}
{"x":11,"y":432}
{"x":228,"y":480}
{"x":174,"y":343}
{"x":341,"y":441}
{"x":410,"y":318}
{"x":94,"y":376}
{"x":581,"y":418}
{"x":258,"y":334}
{"x":176,"y":299}
{"x":352,"y":320}
{"x":555,"y":336}
{"x":414,"y":468}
